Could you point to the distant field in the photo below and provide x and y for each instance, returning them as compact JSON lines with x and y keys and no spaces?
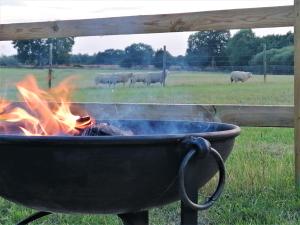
{"x":182,"y":87}
{"x":260,"y":174}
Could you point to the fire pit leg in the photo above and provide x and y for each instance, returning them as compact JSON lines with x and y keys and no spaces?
{"x":189,"y":216}
{"x":138,"y":218}
{"x":188,"y":188}
{"x":33,"y":217}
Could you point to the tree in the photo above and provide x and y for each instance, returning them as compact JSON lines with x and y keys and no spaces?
{"x":242,"y":47}
{"x":8,"y":61}
{"x":37,"y":51}
{"x":179,"y":60}
{"x":82,"y":59}
{"x":31,"y":51}
{"x":207,"y":48}
{"x":158,"y":58}
{"x":279,"y":60}
{"x":278,"y":41}
{"x":110,"y":57}
{"x":61,"y":49}
{"x":137,"y":55}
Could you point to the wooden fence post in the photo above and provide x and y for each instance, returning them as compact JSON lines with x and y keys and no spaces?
{"x":297,"y":92}
{"x":265,"y":62}
{"x":50,"y":65}
{"x":165,"y":65}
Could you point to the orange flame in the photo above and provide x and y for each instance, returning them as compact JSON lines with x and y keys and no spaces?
{"x":44,"y":112}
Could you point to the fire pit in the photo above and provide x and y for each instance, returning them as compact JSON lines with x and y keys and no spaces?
{"x":164,"y":161}
{"x":57,"y":159}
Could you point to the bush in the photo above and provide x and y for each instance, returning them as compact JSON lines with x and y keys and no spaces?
{"x":278,"y":60}
{"x":8,"y":61}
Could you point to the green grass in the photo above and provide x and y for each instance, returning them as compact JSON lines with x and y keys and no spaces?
{"x":260,"y":172}
{"x":182,"y":87}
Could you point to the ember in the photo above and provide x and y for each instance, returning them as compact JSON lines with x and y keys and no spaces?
{"x":43,"y":112}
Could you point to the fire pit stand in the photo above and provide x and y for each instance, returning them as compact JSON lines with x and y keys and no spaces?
{"x":188,"y":188}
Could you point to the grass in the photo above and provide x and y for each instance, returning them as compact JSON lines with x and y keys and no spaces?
{"x":260,"y":173}
{"x":182,"y":87}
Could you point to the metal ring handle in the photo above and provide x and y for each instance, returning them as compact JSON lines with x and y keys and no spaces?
{"x":210,"y":201}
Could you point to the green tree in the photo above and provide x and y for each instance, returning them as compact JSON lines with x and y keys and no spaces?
{"x":82,"y":59}
{"x":279,"y":60}
{"x":9,"y":61}
{"x":37,"y":51}
{"x":31,"y":51}
{"x":61,"y":49}
{"x":179,"y":60}
{"x":110,"y":57}
{"x":242,"y":47}
{"x":207,"y":48}
{"x":138,"y":55}
{"x":158,"y":58}
{"x":278,"y":41}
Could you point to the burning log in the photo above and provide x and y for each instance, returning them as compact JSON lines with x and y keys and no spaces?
{"x":100,"y":129}
{"x":104,"y":129}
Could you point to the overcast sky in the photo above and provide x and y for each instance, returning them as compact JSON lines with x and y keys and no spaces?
{"x":16,"y":11}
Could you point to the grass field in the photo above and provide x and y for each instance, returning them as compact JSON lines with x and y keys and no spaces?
{"x":182,"y":87}
{"x":260,"y":184}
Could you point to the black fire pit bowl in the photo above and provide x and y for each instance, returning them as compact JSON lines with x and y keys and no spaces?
{"x":112,"y":174}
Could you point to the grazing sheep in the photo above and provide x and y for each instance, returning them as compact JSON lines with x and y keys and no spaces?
{"x":113,"y":79}
{"x":138,"y":78}
{"x":242,"y":76}
{"x":103,"y":80}
{"x":121,"y":78}
{"x":156,"y":77}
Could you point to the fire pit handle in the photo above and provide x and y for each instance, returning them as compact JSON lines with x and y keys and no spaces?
{"x":201,"y":147}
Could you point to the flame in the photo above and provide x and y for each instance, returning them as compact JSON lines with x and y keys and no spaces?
{"x":44,"y":112}
{"x":3,"y":104}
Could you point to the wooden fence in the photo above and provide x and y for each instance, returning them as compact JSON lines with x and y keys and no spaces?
{"x":281,"y":16}
{"x":243,"y":115}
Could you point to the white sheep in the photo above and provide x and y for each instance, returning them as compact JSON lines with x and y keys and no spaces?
{"x":113,"y":79}
{"x":242,"y":76}
{"x":121,"y":78}
{"x":138,"y":78}
{"x":156,"y":77}
{"x":103,"y":80}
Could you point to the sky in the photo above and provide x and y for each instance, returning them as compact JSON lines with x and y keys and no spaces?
{"x":17,"y":11}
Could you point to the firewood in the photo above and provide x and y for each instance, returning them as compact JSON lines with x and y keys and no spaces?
{"x":104,"y":129}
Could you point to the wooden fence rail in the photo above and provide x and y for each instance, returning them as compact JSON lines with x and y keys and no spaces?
{"x":196,"y":21}
{"x":243,"y":115}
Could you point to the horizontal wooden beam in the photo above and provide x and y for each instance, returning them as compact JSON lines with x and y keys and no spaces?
{"x":243,"y":115}
{"x":280,"y":16}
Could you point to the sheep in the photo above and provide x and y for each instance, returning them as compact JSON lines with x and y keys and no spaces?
{"x":156,"y":77}
{"x":138,"y":78}
{"x":242,"y":76}
{"x":113,"y":79}
{"x":103,"y":80}
{"x":121,"y":78}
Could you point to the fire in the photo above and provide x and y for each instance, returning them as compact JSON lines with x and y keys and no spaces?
{"x":43,"y":112}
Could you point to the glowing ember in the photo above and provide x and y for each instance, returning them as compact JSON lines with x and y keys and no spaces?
{"x":43,"y":112}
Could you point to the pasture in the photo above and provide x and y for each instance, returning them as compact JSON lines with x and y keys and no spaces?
{"x":260,"y":182}
{"x":181,"y":87}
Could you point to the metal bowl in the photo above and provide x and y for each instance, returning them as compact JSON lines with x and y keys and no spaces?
{"x":108,"y":174}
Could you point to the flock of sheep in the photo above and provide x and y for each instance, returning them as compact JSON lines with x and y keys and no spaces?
{"x":154,"y":77}
{"x":133,"y":78}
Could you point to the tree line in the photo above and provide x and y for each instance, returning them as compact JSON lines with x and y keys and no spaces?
{"x":243,"y":51}
{"x":135,"y":55}
{"x":206,"y":50}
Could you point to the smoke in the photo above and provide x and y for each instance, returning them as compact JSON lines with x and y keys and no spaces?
{"x":150,"y":119}
{"x":150,"y":127}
